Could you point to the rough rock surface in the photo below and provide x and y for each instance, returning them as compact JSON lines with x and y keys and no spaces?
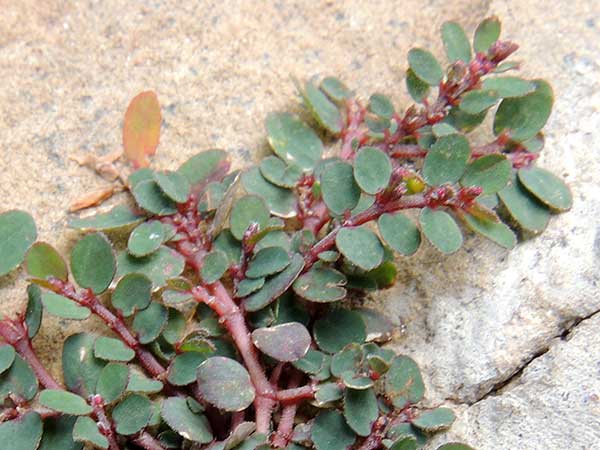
{"x":474,"y":320}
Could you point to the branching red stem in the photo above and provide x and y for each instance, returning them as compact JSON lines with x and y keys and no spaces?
{"x":15,"y":333}
{"x":147,"y":442}
{"x":105,"y":426}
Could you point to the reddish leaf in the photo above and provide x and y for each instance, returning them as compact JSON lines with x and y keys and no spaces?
{"x":93,"y":198}
{"x":141,"y":130}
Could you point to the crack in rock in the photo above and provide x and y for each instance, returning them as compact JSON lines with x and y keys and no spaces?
{"x":501,"y":386}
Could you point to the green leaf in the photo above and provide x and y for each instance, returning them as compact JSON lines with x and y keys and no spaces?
{"x":43,"y":261}
{"x":425,"y":66}
{"x":506,"y":87}
{"x":34,"y":312}
{"x":146,"y":238}
{"x":17,"y":233}
{"x":338,"y":186}
{"x":347,"y":359}
{"x":200,"y":167}
{"x":474,"y":102}
{"x":214,"y":266}
{"x":447,"y":159}
{"x":19,"y":380}
{"x":149,"y":196}
{"x":441,"y":230}
{"x":133,"y":293}
{"x":355,"y":381}
{"x":175,"y":327}
{"x":372,"y":169}
{"x":381,"y":106}
{"x":177,"y":414}
{"x":81,"y":369}
{"x":400,"y":233}
{"x":405,"y":443}
{"x":268,"y":261}
{"x":281,"y":202}
{"x":119,"y":217}
{"x":463,"y":121}
{"x":547,"y":188}
{"x":142,"y":384}
{"x":23,"y":433}
{"x":323,"y":110}
{"x":487,"y":32}
{"x":112,"y":382}
{"x":335,"y":89}
{"x":330,"y":432}
{"x":327,"y":393}
{"x":293,"y":141}
{"x":321,"y":285}
{"x":160,"y":266}
{"x":455,"y":446}
{"x":435,"y":420}
{"x":360,"y":246}
{"x":286,"y":342}
{"x":525,"y":209}
{"x":111,"y":349}
{"x":456,"y":43}
{"x":417,"y":88}
{"x":7,"y":357}
{"x":339,"y":328}
{"x":182,"y":370}
{"x":93,"y":262}
{"x":497,"y":232}
{"x":246,"y":211}
{"x":65,"y":402}
{"x":276,"y":171}
{"x":524,"y":116}
{"x":60,"y":306}
{"x":225,"y":383}
{"x":312,"y":363}
{"x":86,"y":431}
{"x":276,"y":285}
{"x":149,"y":323}
{"x":490,"y":172}
{"x":58,"y":434}
{"x":403,"y":382}
{"x":248,"y":286}
{"x":228,"y":244}
{"x":174,"y":185}
{"x":132,"y":414}
{"x":443,"y":129}
{"x":360,"y":410}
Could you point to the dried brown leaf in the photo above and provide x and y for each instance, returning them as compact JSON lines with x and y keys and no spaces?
{"x":141,"y":129}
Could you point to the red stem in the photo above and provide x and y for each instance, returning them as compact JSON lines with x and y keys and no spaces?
{"x":146,"y":441}
{"x":286,"y":422}
{"x":88,"y":299}
{"x":219,"y":300}
{"x":15,"y":333}
{"x":104,"y":424}
{"x":295,"y":395}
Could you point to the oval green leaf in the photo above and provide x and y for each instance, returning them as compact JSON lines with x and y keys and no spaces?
{"x":132,"y":414}
{"x":425,"y":66}
{"x":146,"y":238}
{"x":321,"y":285}
{"x":339,"y":328}
{"x":111,"y":349}
{"x":441,"y":230}
{"x":360,"y":410}
{"x":490,"y":172}
{"x":293,"y":141}
{"x":86,"y":430}
{"x":60,"y":306}
{"x":268,"y":261}
{"x":93,"y":262}
{"x":214,"y":266}
{"x":487,"y":32}
{"x":149,"y":323}
{"x":372,"y":169}
{"x":177,"y":414}
{"x":43,"y":261}
{"x":281,"y":202}
{"x":547,"y":188}
{"x":160,"y":266}
{"x":119,"y":217}
{"x":65,"y":402}
{"x":456,"y":43}
{"x":17,"y":234}
{"x":360,"y":246}
{"x":338,"y":187}
{"x":225,"y":383}
{"x":447,"y":159}
{"x":286,"y":342}
{"x":435,"y":420}
{"x":174,"y":185}
{"x":23,"y":433}
{"x":133,"y":292}
{"x":400,"y":233}
{"x":112,"y":382}
{"x":246,"y":211}
{"x":330,"y":432}
{"x":323,"y":110}
{"x":524,"y":208}
{"x":403,"y":382}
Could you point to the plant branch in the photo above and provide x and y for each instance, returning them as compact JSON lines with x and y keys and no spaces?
{"x":219,"y":300}
{"x":104,"y":424}
{"x":282,"y":436}
{"x":147,"y":442}
{"x":15,"y":333}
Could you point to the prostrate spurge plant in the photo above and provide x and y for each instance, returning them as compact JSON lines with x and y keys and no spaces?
{"x":230,"y":325}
